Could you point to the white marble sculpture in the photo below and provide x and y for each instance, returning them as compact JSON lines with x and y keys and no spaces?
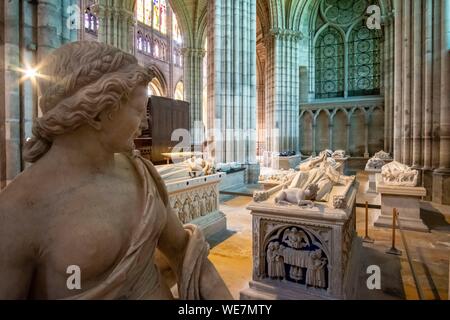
{"x":89,"y":199}
{"x":398,"y":174}
{"x":199,"y":167}
{"x":382,"y":155}
{"x":295,"y":257}
{"x":314,"y":162}
{"x":374,"y":163}
{"x":322,"y":173}
{"x":339,"y":154}
{"x":298,"y":196}
{"x":277,"y":176}
{"x":315,"y":273}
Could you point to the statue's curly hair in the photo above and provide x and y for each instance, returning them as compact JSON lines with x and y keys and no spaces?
{"x":77,"y":82}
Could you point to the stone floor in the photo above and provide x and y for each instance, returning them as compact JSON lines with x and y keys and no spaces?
{"x":231,"y":251}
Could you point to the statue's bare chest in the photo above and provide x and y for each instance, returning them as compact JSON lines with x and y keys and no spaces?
{"x":90,"y":226}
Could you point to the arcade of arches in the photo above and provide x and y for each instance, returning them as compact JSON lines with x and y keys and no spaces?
{"x":260,"y":76}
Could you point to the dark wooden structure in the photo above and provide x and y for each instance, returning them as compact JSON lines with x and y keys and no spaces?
{"x":164,"y":116}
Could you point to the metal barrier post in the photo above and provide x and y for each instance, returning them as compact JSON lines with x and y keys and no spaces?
{"x":393,"y":250}
{"x":367,"y":239}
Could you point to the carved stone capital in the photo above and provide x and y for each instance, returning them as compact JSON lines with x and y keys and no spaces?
{"x":193,"y":52}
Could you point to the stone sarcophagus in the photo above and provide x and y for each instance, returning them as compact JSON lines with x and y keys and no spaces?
{"x":302,"y":252}
{"x":195,"y":200}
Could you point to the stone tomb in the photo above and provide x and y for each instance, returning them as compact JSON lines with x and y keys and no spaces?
{"x":406,"y":200}
{"x":302,"y":253}
{"x":372,"y":183}
{"x":286,"y":163}
{"x":341,"y":164}
{"x":196,"y":200}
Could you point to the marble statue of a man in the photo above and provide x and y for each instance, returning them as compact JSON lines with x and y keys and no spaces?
{"x":87,"y":202}
{"x":319,"y":172}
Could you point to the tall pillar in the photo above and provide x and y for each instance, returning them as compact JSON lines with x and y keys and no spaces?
{"x":232,"y":70}
{"x":314,"y":129}
{"x":282,"y":77}
{"x":417,"y":82}
{"x":348,"y":127}
{"x":193,"y":89}
{"x":398,"y":98}
{"x":366,"y":136}
{"x":406,"y":81}
{"x":330,"y":134}
{"x":427,"y":178}
{"x":441,"y":181}
{"x":47,"y":26}
{"x":436,"y":84}
{"x":261,"y":115}
{"x":10,"y":140}
{"x":388,"y":64}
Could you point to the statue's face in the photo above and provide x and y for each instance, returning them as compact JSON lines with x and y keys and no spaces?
{"x":126,"y":123}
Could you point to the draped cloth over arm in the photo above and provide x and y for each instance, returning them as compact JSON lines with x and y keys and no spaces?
{"x":196,"y":253}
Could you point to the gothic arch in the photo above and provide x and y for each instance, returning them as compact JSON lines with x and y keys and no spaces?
{"x":179,"y":91}
{"x":160,"y":79}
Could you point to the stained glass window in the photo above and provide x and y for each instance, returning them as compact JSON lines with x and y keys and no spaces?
{"x":144,"y":11}
{"x":350,"y":67}
{"x":329,"y":64}
{"x":176,"y":30}
{"x":139,"y":41}
{"x":140,"y":10}
{"x":159,"y":16}
{"x":163,"y":16}
{"x":363,"y":62}
{"x":90,"y":21}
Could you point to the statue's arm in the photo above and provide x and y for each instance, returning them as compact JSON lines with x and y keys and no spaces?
{"x":16,"y":263}
{"x":173,"y":243}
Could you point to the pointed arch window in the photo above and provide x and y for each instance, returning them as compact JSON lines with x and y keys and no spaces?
{"x":90,"y":21}
{"x":160,"y":16}
{"x":176,"y":30}
{"x":347,"y":55}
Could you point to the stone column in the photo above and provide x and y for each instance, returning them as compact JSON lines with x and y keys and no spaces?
{"x":387,"y":86}
{"x":282,"y":77}
{"x":48,"y":23}
{"x":10,"y":140}
{"x":436,"y":89}
{"x":330,"y":133}
{"x":427,"y":179}
{"x":314,"y":128}
{"x":417,"y":82}
{"x":115,"y":29}
{"x":406,"y":83}
{"x":261,"y":115}
{"x":441,"y":181}
{"x":398,"y":101}
{"x":444,"y":162}
{"x":348,"y":127}
{"x":130,"y":40}
{"x":193,"y":89}
{"x":232,"y":70}
{"x":2,"y":98}
{"x":366,"y":135}
{"x":103,"y":15}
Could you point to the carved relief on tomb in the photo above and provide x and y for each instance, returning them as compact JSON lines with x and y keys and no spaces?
{"x":194,"y":203}
{"x":295,"y":253}
{"x":256,"y":235}
{"x":348,"y":231}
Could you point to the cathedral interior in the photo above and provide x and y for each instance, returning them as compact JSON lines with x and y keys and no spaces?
{"x":317,"y":159}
